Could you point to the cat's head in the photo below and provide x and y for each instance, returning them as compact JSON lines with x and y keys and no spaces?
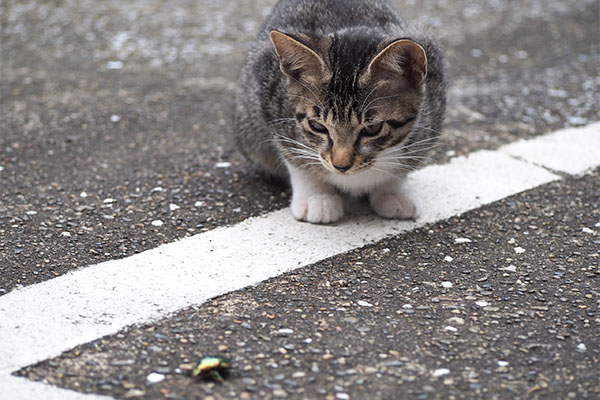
{"x":355,"y":99}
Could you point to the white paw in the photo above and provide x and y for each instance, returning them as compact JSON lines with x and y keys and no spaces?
{"x":394,"y":205}
{"x":318,"y":208}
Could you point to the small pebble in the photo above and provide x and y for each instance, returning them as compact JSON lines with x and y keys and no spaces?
{"x":31,"y":212}
{"x":1,"y":168}
{"x":519,"y":250}
{"x":108,"y":201}
{"x":198,"y":204}
{"x":581,"y":348}
{"x":448,"y":259}
{"x":386,"y":250}
{"x":577,"y":121}
{"x":587,"y":230}
{"x":115,"y":118}
{"x":451,"y":329}
{"x":447,"y":284}
{"x":342,"y":396}
{"x":157,"y":222}
{"x":363,"y":303}
{"x":121,"y":363}
{"x":511,"y":241}
{"x":395,"y":363}
{"x":456,"y":320}
{"x":65,"y":234}
{"x":522,"y":54}
{"x":286,"y":331}
{"x":407,"y":306}
{"x":462,"y":240}
{"x":154,"y":378}
{"x":502,"y":363}
{"x":83,"y":195}
{"x":440,"y":372}
{"x":173,"y":207}
{"x":132,"y":393}
{"x":114,"y":65}
{"x":224,"y":164}
{"x":482,"y":303}
{"x":510,"y":268}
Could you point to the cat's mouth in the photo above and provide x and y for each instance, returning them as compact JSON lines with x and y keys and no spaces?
{"x":344,"y":170}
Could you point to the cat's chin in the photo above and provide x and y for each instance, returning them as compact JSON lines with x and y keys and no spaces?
{"x":361,"y":183}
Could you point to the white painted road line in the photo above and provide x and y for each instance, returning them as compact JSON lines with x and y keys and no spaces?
{"x":43,"y":320}
{"x":572,"y":151}
{"x":12,"y":387}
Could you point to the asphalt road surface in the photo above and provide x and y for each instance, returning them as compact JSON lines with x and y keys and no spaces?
{"x":114,"y":140}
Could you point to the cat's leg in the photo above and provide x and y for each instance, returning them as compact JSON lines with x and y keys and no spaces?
{"x":394,"y":200}
{"x":313,"y":200}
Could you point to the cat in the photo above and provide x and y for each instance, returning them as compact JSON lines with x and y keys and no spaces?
{"x":342,"y":97}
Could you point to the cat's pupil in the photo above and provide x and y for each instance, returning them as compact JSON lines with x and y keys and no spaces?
{"x":372,"y":130}
{"x":317,"y":127}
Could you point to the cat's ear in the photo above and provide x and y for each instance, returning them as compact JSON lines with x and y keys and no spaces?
{"x":401,"y":61}
{"x":297,"y":60}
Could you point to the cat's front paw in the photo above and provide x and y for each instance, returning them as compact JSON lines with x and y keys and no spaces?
{"x":394,"y":205}
{"x":318,"y":208}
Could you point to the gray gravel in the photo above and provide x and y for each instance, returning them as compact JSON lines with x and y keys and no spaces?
{"x":119,"y":99}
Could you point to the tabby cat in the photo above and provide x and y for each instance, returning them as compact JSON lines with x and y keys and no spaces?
{"x":342,"y":97}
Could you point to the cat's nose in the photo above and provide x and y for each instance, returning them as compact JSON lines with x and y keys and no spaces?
{"x":342,"y":168}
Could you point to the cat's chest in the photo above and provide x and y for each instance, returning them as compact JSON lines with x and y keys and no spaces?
{"x":363,"y":182}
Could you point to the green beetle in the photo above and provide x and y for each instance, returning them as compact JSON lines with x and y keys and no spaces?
{"x":213,"y":368}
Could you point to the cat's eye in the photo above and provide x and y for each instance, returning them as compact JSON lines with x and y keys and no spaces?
{"x":317,"y":127}
{"x":372,"y":130}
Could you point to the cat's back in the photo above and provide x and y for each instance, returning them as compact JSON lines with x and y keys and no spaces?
{"x":326,"y":16}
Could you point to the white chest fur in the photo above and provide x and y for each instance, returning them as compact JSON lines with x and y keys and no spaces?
{"x":364,"y":182}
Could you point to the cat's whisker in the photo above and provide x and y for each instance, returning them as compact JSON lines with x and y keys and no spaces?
{"x":369,"y":95}
{"x":379,"y":99}
{"x":428,"y":128}
{"x":423,"y":142}
{"x":400,"y":167}
{"x":313,"y":161}
{"x":280,"y":120}
{"x":302,"y":154}
{"x":301,"y":151}
{"x":396,"y":158}
{"x":395,"y":176}
{"x":411,"y":149}
{"x":408,"y":150}
{"x":309,"y":164}
{"x":401,"y":160}
{"x":289,"y":140}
